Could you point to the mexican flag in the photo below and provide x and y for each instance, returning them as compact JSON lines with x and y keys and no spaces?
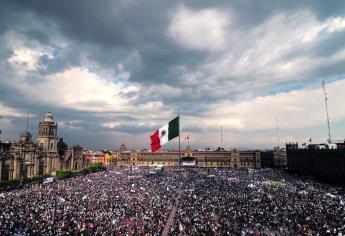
{"x":165,"y":134}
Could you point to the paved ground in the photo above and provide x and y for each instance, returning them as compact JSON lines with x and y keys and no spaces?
{"x":172,"y":214}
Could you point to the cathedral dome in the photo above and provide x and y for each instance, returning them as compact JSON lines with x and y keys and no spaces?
{"x":48,"y":117}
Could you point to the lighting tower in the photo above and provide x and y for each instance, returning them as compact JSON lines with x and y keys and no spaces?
{"x":326,"y":99}
{"x":277,"y":131}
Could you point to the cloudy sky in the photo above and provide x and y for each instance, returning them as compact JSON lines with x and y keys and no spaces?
{"x":114,"y":71}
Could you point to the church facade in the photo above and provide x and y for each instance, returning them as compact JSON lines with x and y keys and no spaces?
{"x":27,"y":158}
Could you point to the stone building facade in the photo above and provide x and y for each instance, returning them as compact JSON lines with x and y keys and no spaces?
{"x":189,"y":157}
{"x":275,"y":158}
{"x":279,"y":157}
{"x":26,"y":158}
{"x":74,"y":159}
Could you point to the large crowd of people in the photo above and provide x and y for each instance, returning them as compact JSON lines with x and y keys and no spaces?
{"x":264,"y":202}
{"x":211,"y":202}
{"x":103,"y":203}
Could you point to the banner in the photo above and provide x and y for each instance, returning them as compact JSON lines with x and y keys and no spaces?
{"x":48,"y":180}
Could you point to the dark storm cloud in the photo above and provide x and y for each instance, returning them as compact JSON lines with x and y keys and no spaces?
{"x":65,"y":59}
{"x":325,"y":47}
{"x":85,"y":20}
{"x":117,"y":27}
{"x":329,"y":46}
{"x":112,"y":31}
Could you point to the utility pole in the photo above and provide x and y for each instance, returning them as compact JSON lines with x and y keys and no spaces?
{"x":326,"y":103}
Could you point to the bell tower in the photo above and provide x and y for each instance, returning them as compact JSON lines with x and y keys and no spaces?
{"x":47,"y":134}
{"x":47,"y":142}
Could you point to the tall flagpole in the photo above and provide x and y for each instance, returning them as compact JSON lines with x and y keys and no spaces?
{"x":221,"y":137}
{"x":179,"y":141}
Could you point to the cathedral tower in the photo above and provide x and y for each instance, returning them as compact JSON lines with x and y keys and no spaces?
{"x":47,"y":141}
{"x":47,"y":134}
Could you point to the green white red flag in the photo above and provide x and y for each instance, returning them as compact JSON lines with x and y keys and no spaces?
{"x":165,"y":134}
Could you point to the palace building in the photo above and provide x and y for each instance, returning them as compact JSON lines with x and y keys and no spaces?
{"x":47,"y":154}
{"x":188,"y":158}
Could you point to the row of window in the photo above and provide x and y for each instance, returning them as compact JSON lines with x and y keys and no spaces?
{"x":205,"y":163}
{"x":199,"y":160}
{"x":52,"y":147}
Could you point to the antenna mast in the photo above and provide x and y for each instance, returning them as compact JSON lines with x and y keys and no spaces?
{"x":277,"y":130}
{"x":326,"y":103}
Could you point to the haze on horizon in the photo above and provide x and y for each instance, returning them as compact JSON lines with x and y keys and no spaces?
{"x":115,"y":71}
